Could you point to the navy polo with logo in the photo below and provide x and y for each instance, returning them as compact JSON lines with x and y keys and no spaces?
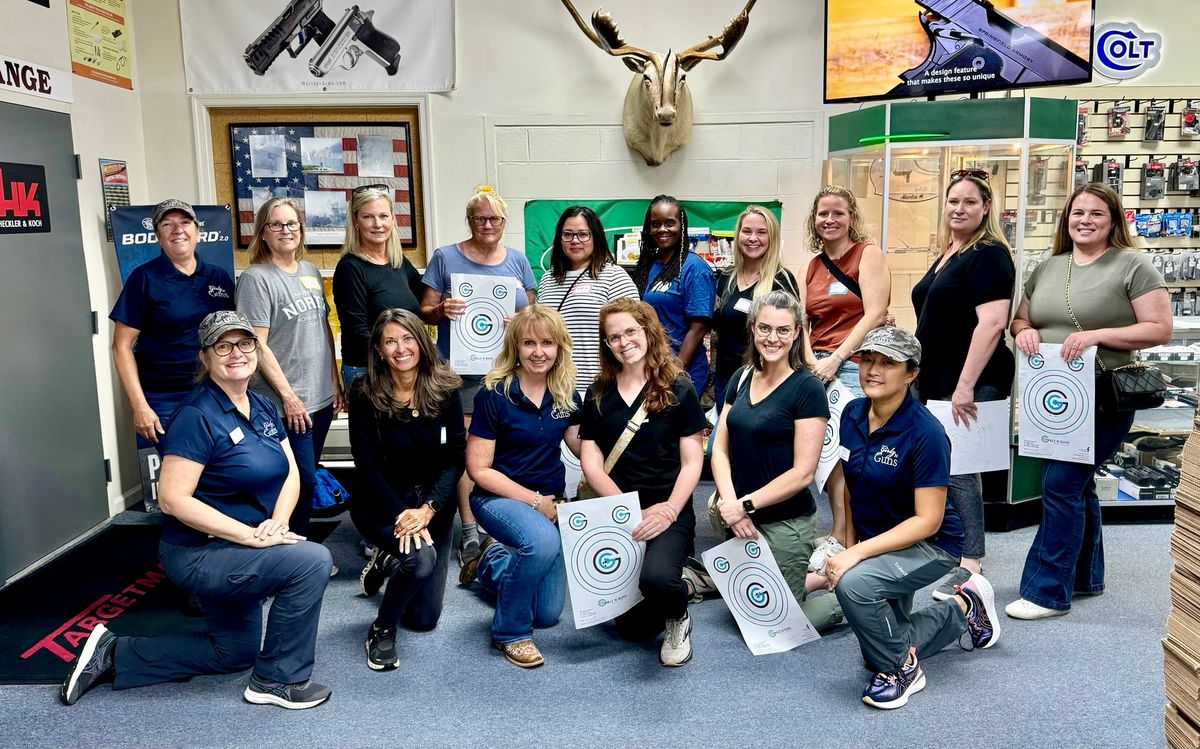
{"x":243,"y":458}
{"x":527,"y":436}
{"x":166,"y":307}
{"x":885,"y":468}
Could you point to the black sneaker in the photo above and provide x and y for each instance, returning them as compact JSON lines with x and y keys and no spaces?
{"x":983,"y":625}
{"x":381,"y":648}
{"x":371,"y":580}
{"x":94,"y":665}
{"x":300,"y":696}
{"x":891,"y":689}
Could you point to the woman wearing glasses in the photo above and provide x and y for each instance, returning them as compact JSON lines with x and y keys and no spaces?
{"x":642,"y":388}
{"x":962,"y":307}
{"x":227,"y":488}
{"x":371,"y":276}
{"x":283,"y":296}
{"x":482,"y":254}
{"x":583,"y":277}
{"x":767,"y":445}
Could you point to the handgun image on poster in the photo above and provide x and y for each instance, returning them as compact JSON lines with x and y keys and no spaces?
{"x":604,"y":563}
{"x":341,"y":43}
{"x":838,"y":395}
{"x":749,"y":581}
{"x":477,"y":335}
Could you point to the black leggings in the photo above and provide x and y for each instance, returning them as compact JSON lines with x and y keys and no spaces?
{"x":417,"y":580}
{"x":661,"y":582}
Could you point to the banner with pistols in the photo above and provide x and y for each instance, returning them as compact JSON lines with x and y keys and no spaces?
{"x":310,"y":46}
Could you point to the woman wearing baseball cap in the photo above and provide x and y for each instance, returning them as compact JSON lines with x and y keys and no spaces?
{"x":228,"y":486}
{"x":902,"y":533}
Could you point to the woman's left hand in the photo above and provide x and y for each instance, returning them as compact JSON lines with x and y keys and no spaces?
{"x":826,"y":369}
{"x":962,"y":405}
{"x":655,"y":519}
{"x":839,"y":564}
{"x":1075,"y":343}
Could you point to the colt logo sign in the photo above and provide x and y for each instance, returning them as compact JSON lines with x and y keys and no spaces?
{"x":1124,"y":51}
{"x":24,"y":205}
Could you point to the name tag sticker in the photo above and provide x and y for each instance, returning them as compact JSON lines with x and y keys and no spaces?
{"x":742,"y":305}
{"x":443,"y":435}
{"x":583,"y":288}
{"x":236,"y":435}
{"x":837,"y":288}
{"x":843,"y":453}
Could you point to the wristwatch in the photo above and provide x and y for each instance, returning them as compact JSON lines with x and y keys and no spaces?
{"x":748,"y":505}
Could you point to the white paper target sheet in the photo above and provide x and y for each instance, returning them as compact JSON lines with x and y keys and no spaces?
{"x":603,"y":561}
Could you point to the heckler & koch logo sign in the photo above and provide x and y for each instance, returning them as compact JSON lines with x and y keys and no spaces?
{"x":24,"y":204}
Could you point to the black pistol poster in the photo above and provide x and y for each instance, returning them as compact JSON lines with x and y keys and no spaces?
{"x":316,"y":46}
{"x":953,"y":46}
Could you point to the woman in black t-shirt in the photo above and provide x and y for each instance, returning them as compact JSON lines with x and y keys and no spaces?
{"x":408,"y":441}
{"x":767,"y":445}
{"x":962,"y":307}
{"x":662,"y":461}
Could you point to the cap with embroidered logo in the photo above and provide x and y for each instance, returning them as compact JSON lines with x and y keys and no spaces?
{"x":216,"y":324}
{"x":173,"y":204}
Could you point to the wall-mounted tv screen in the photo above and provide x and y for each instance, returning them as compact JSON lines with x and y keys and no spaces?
{"x":899,"y":49}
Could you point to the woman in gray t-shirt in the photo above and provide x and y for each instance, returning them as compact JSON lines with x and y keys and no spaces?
{"x":1096,"y":289}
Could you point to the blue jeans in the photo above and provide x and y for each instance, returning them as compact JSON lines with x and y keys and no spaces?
{"x":307,"y":448}
{"x":349,"y":373}
{"x":965,"y":492}
{"x":230,"y":581}
{"x":847,"y":372}
{"x":1068,"y":551}
{"x":525,"y":569}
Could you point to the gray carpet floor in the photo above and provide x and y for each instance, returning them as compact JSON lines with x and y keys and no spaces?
{"x":1092,"y":678}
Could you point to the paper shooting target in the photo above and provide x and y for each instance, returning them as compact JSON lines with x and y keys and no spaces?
{"x":602,"y":561}
{"x":1055,"y":403}
{"x":756,"y":595}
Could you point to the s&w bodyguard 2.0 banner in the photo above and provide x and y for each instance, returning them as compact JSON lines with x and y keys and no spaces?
{"x":311,"y":46}
{"x":136,"y":243}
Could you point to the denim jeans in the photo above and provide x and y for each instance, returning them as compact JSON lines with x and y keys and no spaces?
{"x":525,"y":569}
{"x":307,"y":448}
{"x":847,"y":372}
{"x":349,"y":373}
{"x":965,"y":492}
{"x":1067,"y":555}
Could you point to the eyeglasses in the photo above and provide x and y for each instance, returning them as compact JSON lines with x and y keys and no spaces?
{"x":278,"y":226}
{"x":958,"y":174}
{"x":225,"y":348}
{"x":364,"y":188}
{"x":762,"y":330}
{"x":488,"y":220}
{"x":576,"y":236}
{"x":616,"y":338}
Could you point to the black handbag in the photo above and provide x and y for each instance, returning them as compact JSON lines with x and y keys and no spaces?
{"x":1127,"y":388}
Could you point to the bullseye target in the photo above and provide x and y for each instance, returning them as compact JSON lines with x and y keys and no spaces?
{"x":1055,"y":403}
{"x":481,"y":329}
{"x":756,"y":595}
{"x":602,"y":561}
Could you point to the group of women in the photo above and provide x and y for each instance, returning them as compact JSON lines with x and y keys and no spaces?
{"x":615,"y":378}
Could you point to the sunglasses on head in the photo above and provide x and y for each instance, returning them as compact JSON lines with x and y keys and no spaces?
{"x":958,"y":174}
{"x":364,"y":188}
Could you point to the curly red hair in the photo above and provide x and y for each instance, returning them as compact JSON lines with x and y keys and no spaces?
{"x":662,"y":366}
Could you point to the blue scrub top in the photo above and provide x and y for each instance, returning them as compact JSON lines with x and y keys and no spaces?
{"x":244,"y":462}
{"x":166,"y":308}
{"x":527,"y":436}
{"x":886,"y":467}
{"x":691,"y":295}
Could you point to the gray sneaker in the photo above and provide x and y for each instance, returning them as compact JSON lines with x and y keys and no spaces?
{"x":677,"y":646}
{"x":949,"y":588}
{"x":821,"y":554}
{"x":299,"y":696}
{"x":94,"y":666}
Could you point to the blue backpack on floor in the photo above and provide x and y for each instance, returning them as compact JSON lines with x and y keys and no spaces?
{"x":330,"y":498}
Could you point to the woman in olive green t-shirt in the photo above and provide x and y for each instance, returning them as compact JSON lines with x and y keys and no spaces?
{"x":1121,"y":305}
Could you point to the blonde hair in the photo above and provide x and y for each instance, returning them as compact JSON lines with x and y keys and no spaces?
{"x":560,"y":380}
{"x":770,"y":264}
{"x":260,"y":251}
{"x":486,"y":193}
{"x":857,"y":233}
{"x":988,"y":229}
{"x":353,"y":243}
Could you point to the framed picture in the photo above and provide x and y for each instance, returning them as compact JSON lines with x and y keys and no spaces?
{"x":319,"y":164}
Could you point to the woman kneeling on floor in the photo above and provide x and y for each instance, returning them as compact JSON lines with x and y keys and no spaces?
{"x":527,"y":407}
{"x":228,"y":486}
{"x":643,"y":391}
{"x":408,"y":441}
{"x":902,"y":533}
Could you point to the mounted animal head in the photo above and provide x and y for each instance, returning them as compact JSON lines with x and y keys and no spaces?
{"x":657,"y":118}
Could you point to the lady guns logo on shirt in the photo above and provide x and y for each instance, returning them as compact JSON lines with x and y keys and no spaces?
{"x":557,"y":412}
{"x":269,"y":428}
{"x":887,"y":456}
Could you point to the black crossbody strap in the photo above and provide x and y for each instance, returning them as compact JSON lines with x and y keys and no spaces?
{"x":840,"y":275}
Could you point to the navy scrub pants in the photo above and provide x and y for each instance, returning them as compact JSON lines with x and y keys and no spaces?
{"x":230,"y":581}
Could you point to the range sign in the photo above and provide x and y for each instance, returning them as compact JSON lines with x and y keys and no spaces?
{"x":24,"y":204}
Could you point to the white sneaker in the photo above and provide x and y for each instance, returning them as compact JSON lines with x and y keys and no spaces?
{"x":1022,"y":609}
{"x":677,"y":647}
{"x":827,"y":548}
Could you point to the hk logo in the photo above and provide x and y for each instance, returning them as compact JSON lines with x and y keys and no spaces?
{"x":24,"y":206}
{"x":19,"y":199}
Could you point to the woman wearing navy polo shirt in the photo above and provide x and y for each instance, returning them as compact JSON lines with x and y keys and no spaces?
{"x":527,"y":406}
{"x":902,"y":533}
{"x":661,"y":462}
{"x":406,"y":433}
{"x":160,"y":306}
{"x":228,"y":486}
{"x":678,"y":284}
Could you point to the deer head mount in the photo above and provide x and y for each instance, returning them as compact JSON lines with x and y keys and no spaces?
{"x":657,"y":118}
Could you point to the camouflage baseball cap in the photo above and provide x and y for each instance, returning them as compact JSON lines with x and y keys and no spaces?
{"x":894,"y":343}
{"x":173,"y":204}
{"x":216,"y":324}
